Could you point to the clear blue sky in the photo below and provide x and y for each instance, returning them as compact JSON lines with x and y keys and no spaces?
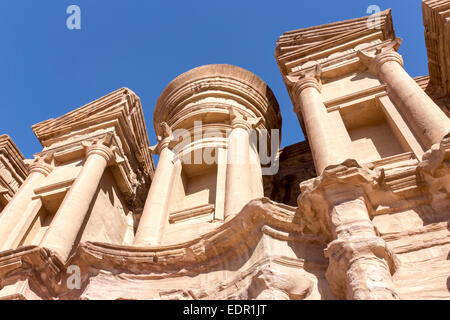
{"x":47,"y":70}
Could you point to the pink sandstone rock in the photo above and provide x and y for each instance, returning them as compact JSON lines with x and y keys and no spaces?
{"x":360,"y":210}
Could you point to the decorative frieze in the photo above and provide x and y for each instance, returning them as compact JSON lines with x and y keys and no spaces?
{"x":330,"y":44}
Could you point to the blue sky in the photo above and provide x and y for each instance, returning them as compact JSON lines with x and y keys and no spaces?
{"x":47,"y":70}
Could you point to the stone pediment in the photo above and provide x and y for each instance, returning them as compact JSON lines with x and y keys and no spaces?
{"x":121,"y":108}
{"x":294,"y":48}
{"x":117,"y":117}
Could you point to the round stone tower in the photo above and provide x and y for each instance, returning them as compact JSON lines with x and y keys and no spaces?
{"x":211,"y":123}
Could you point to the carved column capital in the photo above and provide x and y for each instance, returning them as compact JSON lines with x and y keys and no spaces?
{"x":160,"y":146}
{"x":164,"y":140}
{"x":101,"y":150}
{"x":309,"y":78}
{"x":102,"y":147}
{"x":41,"y":164}
{"x":308,"y":82}
{"x":388,"y":56}
{"x":375,"y":60}
{"x":238,"y":120}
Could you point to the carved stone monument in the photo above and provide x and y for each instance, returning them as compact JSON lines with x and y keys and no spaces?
{"x":360,"y":210}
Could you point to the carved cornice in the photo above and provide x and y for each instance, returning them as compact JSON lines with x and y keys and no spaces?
{"x":186,"y":214}
{"x":41,"y":268}
{"x":227,"y":241}
{"x":119,"y":111}
{"x":330,"y":43}
{"x":204,"y":253}
{"x":419,"y":238}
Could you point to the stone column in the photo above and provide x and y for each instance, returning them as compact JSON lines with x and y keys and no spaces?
{"x":358,"y":258}
{"x":65,"y":227}
{"x":219,"y":213}
{"x":336,"y":206}
{"x":14,"y":210}
{"x":257,"y":184}
{"x":428,"y":120}
{"x":155,"y":214}
{"x":308,"y":102}
{"x":239,"y":176}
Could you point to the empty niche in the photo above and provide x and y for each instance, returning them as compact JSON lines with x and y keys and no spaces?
{"x":46,"y":210}
{"x":47,"y":200}
{"x":194,"y":193}
{"x":370,"y":134}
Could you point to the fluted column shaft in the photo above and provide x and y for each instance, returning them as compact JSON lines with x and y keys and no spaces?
{"x":314,"y":113}
{"x":68,"y":221}
{"x":14,"y":210}
{"x":429,"y":121}
{"x":154,"y":216}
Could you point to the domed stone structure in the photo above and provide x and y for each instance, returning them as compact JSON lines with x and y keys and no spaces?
{"x":203,"y":120}
{"x":359,"y":210}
